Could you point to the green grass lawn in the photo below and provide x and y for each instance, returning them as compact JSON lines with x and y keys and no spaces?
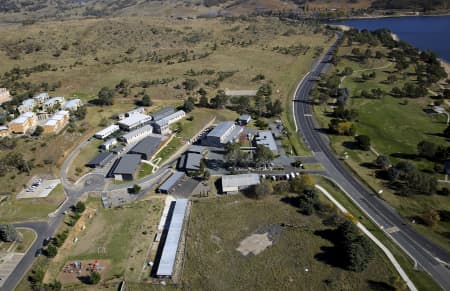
{"x":169,"y":149}
{"x":217,"y":226}
{"x":144,"y":170}
{"x":421,"y":279}
{"x":13,"y":210}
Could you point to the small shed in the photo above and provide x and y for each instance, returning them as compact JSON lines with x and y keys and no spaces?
{"x":244,"y":119}
{"x":100,"y":160}
{"x":169,"y":185}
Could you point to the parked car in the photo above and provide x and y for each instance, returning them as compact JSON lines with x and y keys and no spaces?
{"x":46,"y":241}
{"x":38,"y":252}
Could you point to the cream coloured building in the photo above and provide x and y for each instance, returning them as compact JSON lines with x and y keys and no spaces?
{"x":23,"y":123}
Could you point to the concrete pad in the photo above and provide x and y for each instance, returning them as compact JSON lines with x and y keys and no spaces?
{"x":255,"y":244}
{"x":41,"y":191}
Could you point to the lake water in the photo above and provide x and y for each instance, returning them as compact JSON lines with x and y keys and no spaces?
{"x":424,"y":32}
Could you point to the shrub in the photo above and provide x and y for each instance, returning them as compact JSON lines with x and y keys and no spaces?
{"x":94,"y":278}
{"x":363,"y":142}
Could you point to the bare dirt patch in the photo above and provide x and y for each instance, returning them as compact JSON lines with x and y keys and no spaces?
{"x":260,"y":240}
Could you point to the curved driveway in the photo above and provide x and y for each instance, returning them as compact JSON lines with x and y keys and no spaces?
{"x":425,"y":253}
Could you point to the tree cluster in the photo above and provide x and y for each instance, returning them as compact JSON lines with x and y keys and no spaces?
{"x":105,"y":97}
{"x":8,"y":233}
{"x":408,"y":180}
{"x":235,"y":157}
{"x":341,"y":127}
{"x":434,"y":152}
{"x":356,"y":249}
{"x":14,"y":161}
{"x":363,"y":142}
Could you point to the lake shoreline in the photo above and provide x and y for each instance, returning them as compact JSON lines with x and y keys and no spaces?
{"x":446,"y":66}
{"x":425,"y":33}
{"x":368,"y":17}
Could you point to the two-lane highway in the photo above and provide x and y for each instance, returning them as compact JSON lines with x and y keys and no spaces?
{"x":422,"y":250}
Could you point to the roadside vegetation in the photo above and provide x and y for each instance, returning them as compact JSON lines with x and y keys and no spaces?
{"x":377,"y":106}
{"x":420,"y":279}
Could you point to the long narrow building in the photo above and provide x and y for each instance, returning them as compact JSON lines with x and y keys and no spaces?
{"x":171,"y":244}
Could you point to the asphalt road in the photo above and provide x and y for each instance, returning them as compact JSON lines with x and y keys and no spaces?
{"x":425,"y":253}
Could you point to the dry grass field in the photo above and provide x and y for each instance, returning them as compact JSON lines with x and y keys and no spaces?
{"x":213,"y":261}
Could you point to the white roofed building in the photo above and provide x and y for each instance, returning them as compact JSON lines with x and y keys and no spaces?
{"x":134,"y":121}
{"x":236,"y":183}
{"x":41,"y":98}
{"x":52,"y":102}
{"x":140,"y":110}
{"x":104,"y":133}
{"x":107,"y":145}
{"x":27,"y":105}
{"x":4,"y":95}
{"x":72,"y":105}
{"x":56,"y":122}
{"x":23,"y":123}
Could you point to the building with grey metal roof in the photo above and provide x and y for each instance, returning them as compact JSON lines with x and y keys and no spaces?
{"x":169,"y":185}
{"x":222,"y":134}
{"x":190,"y":162}
{"x":197,"y":149}
{"x":100,"y":160}
{"x":236,"y":183}
{"x":137,"y":134}
{"x":147,"y":147}
{"x":160,"y":114}
{"x":125,"y":167}
{"x":171,"y":243}
{"x":266,"y":139}
{"x":162,"y":125}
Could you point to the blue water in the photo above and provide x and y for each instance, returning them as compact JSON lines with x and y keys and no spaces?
{"x":424,"y":32}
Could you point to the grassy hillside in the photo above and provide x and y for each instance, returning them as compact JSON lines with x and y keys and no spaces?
{"x":28,"y":11}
